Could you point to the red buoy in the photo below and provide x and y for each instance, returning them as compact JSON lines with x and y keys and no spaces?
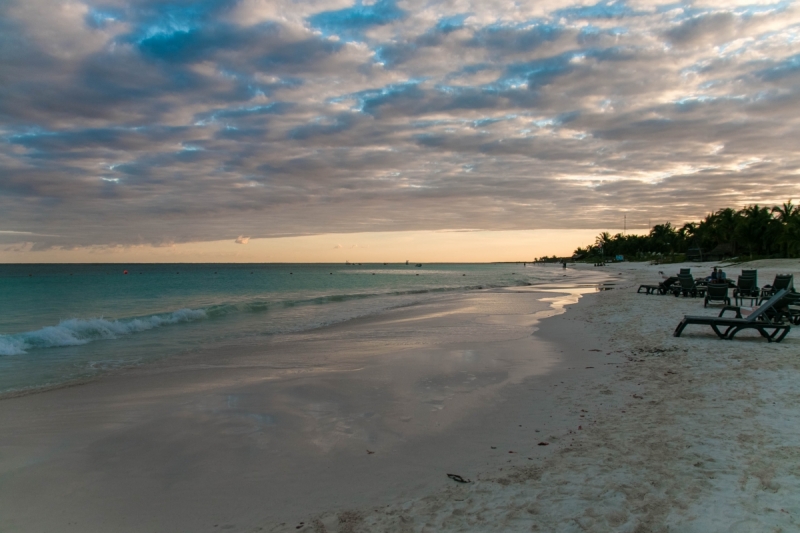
{"x":124,"y":271}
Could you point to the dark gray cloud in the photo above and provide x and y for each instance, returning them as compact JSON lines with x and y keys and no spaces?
{"x":129,"y":122}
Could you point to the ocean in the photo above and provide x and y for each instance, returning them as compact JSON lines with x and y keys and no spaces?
{"x":66,"y":322}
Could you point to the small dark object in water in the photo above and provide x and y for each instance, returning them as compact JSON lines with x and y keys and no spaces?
{"x":369,"y":452}
{"x":456,"y":477}
{"x":543,"y":443}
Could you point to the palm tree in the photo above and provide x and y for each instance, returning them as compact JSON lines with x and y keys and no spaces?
{"x":756,"y":228}
{"x":604,"y":242}
{"x":663,"y":237}
{"x":785,"y":211}
{"x":785,"y":214}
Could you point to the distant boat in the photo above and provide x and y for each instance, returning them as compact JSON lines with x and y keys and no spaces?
{"x":347,"y":262}
{"x":418,"y":265}
{"x":406,"y":261}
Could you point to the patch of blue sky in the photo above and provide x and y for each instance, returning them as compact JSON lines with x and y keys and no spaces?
{"x":538,"y":72}
{"x":351,"y":22}
{"x":761,"y":9}
{"x":165,"y":19}
{"x":682,"y":12}
{"x":558,"y":120}
{"x":710,"y":84}
{"x":607,"y":9}
{"x":611,"y":53}
{"x":391,"y":55}
{"x":274,"y":108}
{"x":369,"y":99}
{"x":592,"y":30}
{"x":781,"y":69}
{"x":517,"y":36}
{"x":98,"y":18}
{"x":28,"y":133}
{"x":452,"y":23}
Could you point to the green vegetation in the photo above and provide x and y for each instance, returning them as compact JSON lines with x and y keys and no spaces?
{"x":752,"y":232}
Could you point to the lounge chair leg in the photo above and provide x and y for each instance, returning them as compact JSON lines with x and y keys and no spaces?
{"x":679,"y":329}
{"x":719,"y":333}
{"x":783,"y":334}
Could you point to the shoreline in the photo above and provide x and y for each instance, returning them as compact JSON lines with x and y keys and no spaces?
{"x":418,"y":386}
{"x":126,"y":364}
{"x":645,"y":432}
{"x":696,"y":434}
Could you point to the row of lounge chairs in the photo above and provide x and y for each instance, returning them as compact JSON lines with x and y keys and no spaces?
{"x":745,"y":288}
{"x":778,"y":304}
{"x":773,"y":319}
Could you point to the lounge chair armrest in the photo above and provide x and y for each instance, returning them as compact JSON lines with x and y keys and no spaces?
{"x":731,"y":308}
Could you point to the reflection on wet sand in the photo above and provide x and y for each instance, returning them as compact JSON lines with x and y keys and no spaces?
{"x":272,"y":429}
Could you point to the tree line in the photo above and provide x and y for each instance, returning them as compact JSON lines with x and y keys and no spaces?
{"x":754,"y":231}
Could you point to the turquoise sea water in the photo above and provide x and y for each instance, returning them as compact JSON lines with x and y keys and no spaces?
{"x":64,"y":322}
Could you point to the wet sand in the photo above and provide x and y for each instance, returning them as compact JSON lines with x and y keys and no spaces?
{"x":263,"y":436}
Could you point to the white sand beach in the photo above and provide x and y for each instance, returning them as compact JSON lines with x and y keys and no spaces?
{"x":690,"y":434}
{"x":355,"y":427}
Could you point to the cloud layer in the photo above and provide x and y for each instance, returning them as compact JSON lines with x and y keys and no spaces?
{"x":150,"y":122}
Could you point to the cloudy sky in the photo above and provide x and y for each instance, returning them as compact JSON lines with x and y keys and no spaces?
{"x":137,"y":126}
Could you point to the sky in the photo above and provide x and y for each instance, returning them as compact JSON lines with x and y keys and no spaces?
{"x":325,"y":130}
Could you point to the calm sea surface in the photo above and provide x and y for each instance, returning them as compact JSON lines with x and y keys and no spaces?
{"x":64,"y":322}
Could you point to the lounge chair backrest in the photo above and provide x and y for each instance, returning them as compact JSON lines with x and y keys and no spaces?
{"x":686,"y":271}
{"x":750,"y":273}
{"x":717,"y":290}
{"x":746,"y":283}
{"x":783,"y":281}
{"x":769,"y":304}
{"x":687,"y":282}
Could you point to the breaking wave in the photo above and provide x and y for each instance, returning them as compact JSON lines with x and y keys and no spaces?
{"x":76,"y":331}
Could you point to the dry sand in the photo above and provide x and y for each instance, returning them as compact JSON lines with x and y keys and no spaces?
{"x":692,"y":434}
{"x":645,"y":432}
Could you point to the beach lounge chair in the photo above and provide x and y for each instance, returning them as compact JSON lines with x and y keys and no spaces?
{"x":788,"y":309}
{"x":773,"y":329}
{"x":662,"y":288}
{"x":782,"y":281}
{"x":685,"y":272}
{"x":716,"y":292}
{"x":746,"y":289}
{"x":750,"y":274}
{"x":688,"y":287}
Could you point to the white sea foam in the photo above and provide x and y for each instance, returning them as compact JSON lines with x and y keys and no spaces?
{"x":75,"y":331}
